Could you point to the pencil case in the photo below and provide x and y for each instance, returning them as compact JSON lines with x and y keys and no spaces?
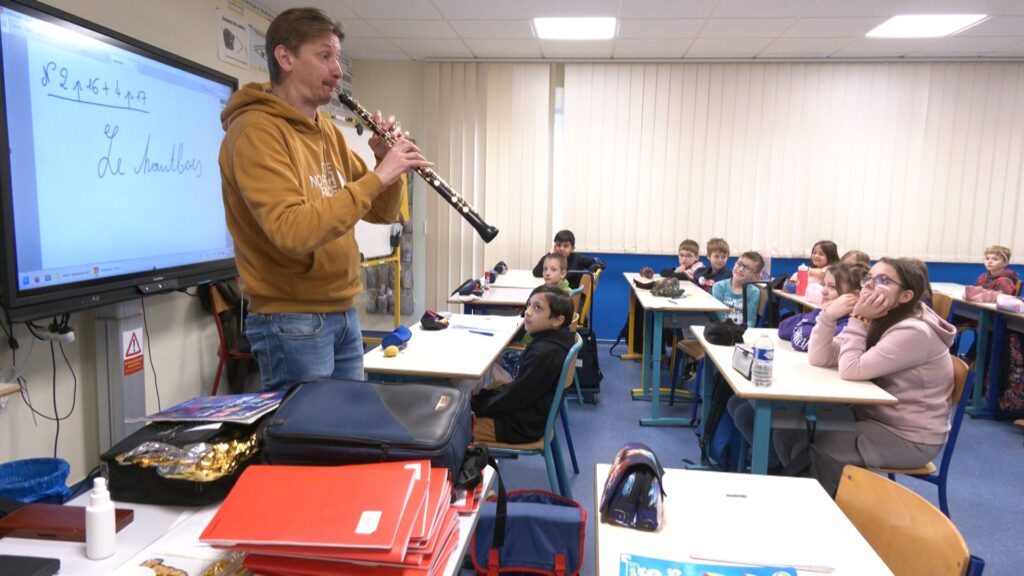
{"x":330,"y":422}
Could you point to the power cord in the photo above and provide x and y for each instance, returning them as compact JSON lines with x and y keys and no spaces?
{"x":59,"y":325}
{"x":149,"y":350}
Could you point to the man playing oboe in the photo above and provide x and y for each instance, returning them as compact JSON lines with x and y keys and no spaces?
{"x":293,"y":193}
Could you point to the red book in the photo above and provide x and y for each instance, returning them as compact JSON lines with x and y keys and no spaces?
{"x":357,"y":506}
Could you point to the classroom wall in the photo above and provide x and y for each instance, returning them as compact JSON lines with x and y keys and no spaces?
{"x":182,"y":336}
{"x":611,"y":302}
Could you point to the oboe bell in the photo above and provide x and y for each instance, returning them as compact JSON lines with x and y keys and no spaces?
{"x":463,"y":208}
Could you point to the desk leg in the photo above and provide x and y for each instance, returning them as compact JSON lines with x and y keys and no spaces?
{"x":654,"y":368}
{"x":707,"y":392}
{"x":996,"y":365}
{"x":977,"y":408}
{"x":762,"y":436}
{"x":631,"y":351}
{"x":644,"y":392}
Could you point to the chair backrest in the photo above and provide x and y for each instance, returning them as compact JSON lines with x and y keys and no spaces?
{"x":565,"y":380}
{"x":942,"y":304}
{"x":1016,"y":290}
{"x":587,"y":284}
{"x":907,"y":532}
{"x":218,"y":305}
{"x":962,"y":384}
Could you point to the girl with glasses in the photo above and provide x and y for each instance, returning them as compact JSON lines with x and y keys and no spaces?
{"x":901,"y":345}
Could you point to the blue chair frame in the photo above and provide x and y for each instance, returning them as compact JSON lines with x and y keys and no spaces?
{"x":549,"y":446}
{"x":940,"y":476}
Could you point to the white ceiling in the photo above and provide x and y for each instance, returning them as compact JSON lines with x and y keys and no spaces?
{"x":664,"y":29}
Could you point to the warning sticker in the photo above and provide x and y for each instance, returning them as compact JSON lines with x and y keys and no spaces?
{"x":131,"y":344}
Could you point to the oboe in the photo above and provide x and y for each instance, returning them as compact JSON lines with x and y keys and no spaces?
{"x":486,"y":231}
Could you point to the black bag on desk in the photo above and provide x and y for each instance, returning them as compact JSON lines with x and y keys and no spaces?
{"x":180,"y":463}
{"x":330,"y":422}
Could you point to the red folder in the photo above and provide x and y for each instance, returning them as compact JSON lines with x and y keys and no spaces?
{"x":357,"y":506}
{"x":397,"y":554}
{"x":438,"y":501}
{"x":278,"y":566}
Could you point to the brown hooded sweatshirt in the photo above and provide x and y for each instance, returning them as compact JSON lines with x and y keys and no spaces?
{"x":293,"y":192}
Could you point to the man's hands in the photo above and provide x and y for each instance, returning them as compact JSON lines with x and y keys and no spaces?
{"x":400,"y":158}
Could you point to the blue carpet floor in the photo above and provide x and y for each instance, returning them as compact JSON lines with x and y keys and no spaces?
{"x":986,"y":486}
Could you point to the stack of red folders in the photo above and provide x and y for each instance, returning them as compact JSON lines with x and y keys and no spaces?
{"x":386,"y":519}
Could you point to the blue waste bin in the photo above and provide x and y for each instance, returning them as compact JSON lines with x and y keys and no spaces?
{"x":35,"y":480}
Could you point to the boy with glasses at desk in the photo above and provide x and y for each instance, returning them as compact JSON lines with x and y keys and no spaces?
{"x":731,"y":292}
{"x":902,"y":346}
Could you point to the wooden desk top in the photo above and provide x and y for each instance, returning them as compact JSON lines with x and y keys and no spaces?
{"x":802,"y":301}
{"x":793,"y":377}
{"x":743,"y":518}
{"x":515,"y":278}
{"x":956,"y":292}
{"x":460,"y":351}
{"x":496,"y":296}
{"x":693,"y":300}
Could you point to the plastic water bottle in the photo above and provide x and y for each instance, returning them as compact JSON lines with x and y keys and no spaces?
{"x":100,"y":527}
{"x":801,"y":279}
{"x":764,"y":353}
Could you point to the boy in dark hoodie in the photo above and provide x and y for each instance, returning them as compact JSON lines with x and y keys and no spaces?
{"x":997,"y":275}
{"x":517,"y":412}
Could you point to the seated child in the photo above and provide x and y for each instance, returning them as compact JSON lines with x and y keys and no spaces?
{"x":824,"y":253}
{"x":689,"y":262}
{"x":840,"y":279}
{"x":555,"y":269}
{"x":565,"y":244}
{"x":718,"y":255}
{"x":730,"y":292}
{"x":517,"y":412}
{"x":997,"y":275}
{"x":856,"y":257}
{"x":902,"y":346}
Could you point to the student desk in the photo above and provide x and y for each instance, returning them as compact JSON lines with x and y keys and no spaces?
{"x":169,"y":532}
{"x":744,"y":519}
{"x":695,"y":304}
{"x":798,"y":300}
{"x":793,"y":380}
{"x":984,"y":314}
{"x":515,"y":278}
{"x":508,"y":300}
{"x":464,"y":350}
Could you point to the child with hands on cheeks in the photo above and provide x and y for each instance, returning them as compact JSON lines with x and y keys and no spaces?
{"x":840,"y":280}
{"x":902,"y":346}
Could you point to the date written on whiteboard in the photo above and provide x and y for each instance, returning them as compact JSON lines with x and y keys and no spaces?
{"x":93,"y":90}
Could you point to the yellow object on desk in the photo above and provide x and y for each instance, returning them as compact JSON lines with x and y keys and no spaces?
{"x":391,"y":351}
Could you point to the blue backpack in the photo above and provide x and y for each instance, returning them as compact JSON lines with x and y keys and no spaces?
{"x":719,"y":436}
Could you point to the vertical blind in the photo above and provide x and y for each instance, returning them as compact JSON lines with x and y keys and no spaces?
{"x":488,"y":132}
{"x":916,"y":159}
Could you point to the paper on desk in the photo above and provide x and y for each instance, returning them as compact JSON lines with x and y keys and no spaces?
{"x":181,"y":549}
{"x":481,"y":322}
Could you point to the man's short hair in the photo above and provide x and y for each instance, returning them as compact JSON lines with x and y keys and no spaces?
{"x":293,"y":28}
{"x":563,"y":264}
{"x":559,"y":303}
{"x":756,"y":258}
{"x":718,"y":245}
{"x":566,"y":236}
{"x":689,"y":246}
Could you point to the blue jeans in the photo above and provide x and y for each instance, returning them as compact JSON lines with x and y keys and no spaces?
{"x":291,"y":348}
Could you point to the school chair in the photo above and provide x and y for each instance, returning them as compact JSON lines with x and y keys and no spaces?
{"x":225,"y":351}
{"x":574,"y":327}
{"x":962,"y":384}
{"x":907,"y":532}
{"x":548,"y":446}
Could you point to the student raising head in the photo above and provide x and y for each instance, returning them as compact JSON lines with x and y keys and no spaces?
{"x":689,"y":262}
{"x":565,"y":245}
{"x":718,"y":254}
{"x":903,"y":347}
{"x":730,"y":291}
{"x":555,"y":268}
{"x":997,"y":276}
{"x":517,"y":412}
{"x":841,"y":280}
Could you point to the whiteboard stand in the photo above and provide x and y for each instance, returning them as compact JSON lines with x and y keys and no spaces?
{"x":119,"y":396}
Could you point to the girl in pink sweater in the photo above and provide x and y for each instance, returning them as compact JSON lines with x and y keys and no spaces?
{"x":902,"y":346}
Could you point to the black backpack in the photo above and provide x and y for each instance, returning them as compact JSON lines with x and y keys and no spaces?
{"x":589,"y":370}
